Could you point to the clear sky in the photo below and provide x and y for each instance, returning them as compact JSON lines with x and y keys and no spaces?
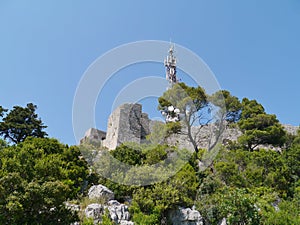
{"x":253,"y":48}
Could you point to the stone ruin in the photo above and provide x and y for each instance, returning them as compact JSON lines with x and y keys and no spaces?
{"x":128,"y":123}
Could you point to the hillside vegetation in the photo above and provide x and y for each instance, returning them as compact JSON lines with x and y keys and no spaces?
{"x":245,"y":183}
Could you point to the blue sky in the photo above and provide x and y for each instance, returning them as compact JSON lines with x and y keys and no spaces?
{"x":252,"y":47}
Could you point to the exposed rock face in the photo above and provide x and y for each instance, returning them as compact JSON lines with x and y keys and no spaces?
{"x":129,"y":124}
{"x":126,"y":124}
{"x":99,"y":192}
{"x":223,"y":222}
{"x":290,"y":129}
{"x":118,"y":212}
{"x":206,"y":136}
{"x":185,"y":216}
{"x":93,"y":136}
{"x":125,"y":222}
{"x":145,"y":128}
{"x":95,"y":211}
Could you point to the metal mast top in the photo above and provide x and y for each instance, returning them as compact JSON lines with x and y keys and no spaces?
{"x":170,"y":64}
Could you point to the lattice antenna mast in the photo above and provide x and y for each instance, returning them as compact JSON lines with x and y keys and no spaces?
{"x":170,"y":64}
{"x":171,"y":113}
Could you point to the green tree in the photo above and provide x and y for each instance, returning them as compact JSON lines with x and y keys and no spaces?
{"x":150,"y":204}
{"x":258,"y":127}
{"x":3,"y":144}
{"x":287,"y":213}
{"x":155,"y":154}
{"x":2,"y":111}
{"x":20,"y":123}
{"x":193,"y":105}
{"x":230,"y":105}
{"x":131,"y":155}
{"x":229,"y":111}
{"x":292,"y":160}
{"x":37,"y":176}
{"x":235,"y":204}
{"x":199,"y":109}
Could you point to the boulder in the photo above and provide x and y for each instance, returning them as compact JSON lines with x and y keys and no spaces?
{"x":185,"y":216}
{"x":223,"y":222}
{"x":125,"y":222}
{"x":75,"y":223}
{"x":118,"y":212}
{"x":95,"y":211}
{"x":93,"y":136}
{"x":100,"y":192}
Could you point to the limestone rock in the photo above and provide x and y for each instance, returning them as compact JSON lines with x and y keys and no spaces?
{"x":95,"y":211}
{"x":185,"y":216}
{"x":145,"y":127}
{"x":75,"y":223}
{"x":128,"y":123}
{"x":125,"y":222}
{"x":118,"y":212}
{"x":223,"y":222}
{"x":290,"y":129}
{"x":100,"y":191}
{"x":93,"y":136}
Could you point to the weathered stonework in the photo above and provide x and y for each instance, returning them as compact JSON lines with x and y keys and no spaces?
{"x":93,"y":136}
{"x":129,"y":124}
{"x":126,"y":124}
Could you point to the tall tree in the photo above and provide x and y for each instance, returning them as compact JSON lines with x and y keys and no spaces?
{"x":37,"y":177}
{"x":199,"y":109}
{"x":258,"y":127}
{"x":230,"y":105}
{"x":20,"y":123}
{"x":193,"y":105}
{"x":2,"y":111}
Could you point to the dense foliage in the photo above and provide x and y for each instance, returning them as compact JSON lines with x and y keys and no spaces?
{"x":20,"y":123}
{"x":259,"y":127}
{"x":249,"y":182}
{"x":37,"y":177}
{"x":251,"y":186}
{"x":193,"y":105}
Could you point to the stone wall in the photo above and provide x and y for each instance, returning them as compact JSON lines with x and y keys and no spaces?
{"x":126,"y":124}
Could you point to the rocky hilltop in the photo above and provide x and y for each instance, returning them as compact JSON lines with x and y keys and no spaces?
{"x":128,"y":123}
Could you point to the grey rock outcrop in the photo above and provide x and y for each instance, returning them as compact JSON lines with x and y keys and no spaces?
{"x":75,"y":223}
{"x":185,"y":216}
{"x":223,"y":222}
{"x":95,"y":211}
{"x":125,"y":222}
{"x":118,"y":212}
{"x":93,"y":136}
{"x":205,"y":136}
{"x":290,"y":129}
{"x":128,"y":123}
{"x":100,"y":192}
